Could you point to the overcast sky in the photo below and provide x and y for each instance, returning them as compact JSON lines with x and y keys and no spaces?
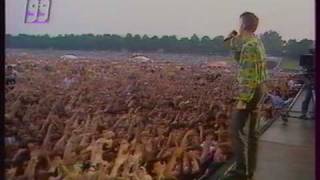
{"x":291,"y":18}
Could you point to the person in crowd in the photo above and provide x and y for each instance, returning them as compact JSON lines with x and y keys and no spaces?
{"x":10,"y":76}
{"x":308,"y":96}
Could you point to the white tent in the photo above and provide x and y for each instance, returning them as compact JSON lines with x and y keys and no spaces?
{"x":67,"y":56}
{"x":218,"y":64}
{"x":140,"y":58}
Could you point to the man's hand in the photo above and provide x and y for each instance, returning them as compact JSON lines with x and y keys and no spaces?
{"x":231,"y":35}
{"x":227,"y":42}
{"x":241,"y":105}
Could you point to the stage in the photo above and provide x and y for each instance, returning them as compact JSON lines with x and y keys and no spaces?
{"x":285,"y":152}
{"x":288,"y":152}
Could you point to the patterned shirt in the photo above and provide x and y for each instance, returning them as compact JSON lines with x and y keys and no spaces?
{"x":250,"y":55}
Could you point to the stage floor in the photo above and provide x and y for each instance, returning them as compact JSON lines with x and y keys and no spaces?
{"x":287,"y":152}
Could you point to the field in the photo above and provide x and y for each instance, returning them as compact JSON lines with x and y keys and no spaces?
{"x":290,"y":64}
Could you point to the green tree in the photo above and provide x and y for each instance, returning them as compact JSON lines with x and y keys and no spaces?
{"x":195,"y":43}
{"x":154,"y":43}
{"x":184,"y":45}
{"x":168,"y":43}
{"x":294,"y":48}
{"x":218,"y":47}
{"x":205,"y":45}
{"x":273,"y":43}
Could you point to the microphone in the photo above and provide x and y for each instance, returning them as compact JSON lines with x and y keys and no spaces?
{"x":231,"y":35}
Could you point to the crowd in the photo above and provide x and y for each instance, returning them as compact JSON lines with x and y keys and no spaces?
{"x":91,"y":119}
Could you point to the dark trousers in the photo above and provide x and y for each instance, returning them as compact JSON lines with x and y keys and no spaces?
{"x":242,"y":142}
{"x":306,"y":101}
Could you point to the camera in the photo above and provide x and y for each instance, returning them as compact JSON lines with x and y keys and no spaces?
{"x":307,"y":61}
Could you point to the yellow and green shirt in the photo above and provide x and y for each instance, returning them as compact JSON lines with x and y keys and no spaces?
{"x":250,"y":55}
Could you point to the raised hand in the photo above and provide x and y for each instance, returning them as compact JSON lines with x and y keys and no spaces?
{"x":46,"y":142}
{"x":122,"y":156}
{"x":183,"y":143}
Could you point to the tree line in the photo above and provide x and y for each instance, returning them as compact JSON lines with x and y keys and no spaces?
{"x":274,"y":44}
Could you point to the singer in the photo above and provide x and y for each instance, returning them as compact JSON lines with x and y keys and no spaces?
{"x":250,"y":55}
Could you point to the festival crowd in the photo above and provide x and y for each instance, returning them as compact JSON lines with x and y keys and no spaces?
{"x":91,"y":119}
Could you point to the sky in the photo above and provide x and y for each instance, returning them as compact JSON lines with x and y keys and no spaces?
{"x":291,"y":18}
